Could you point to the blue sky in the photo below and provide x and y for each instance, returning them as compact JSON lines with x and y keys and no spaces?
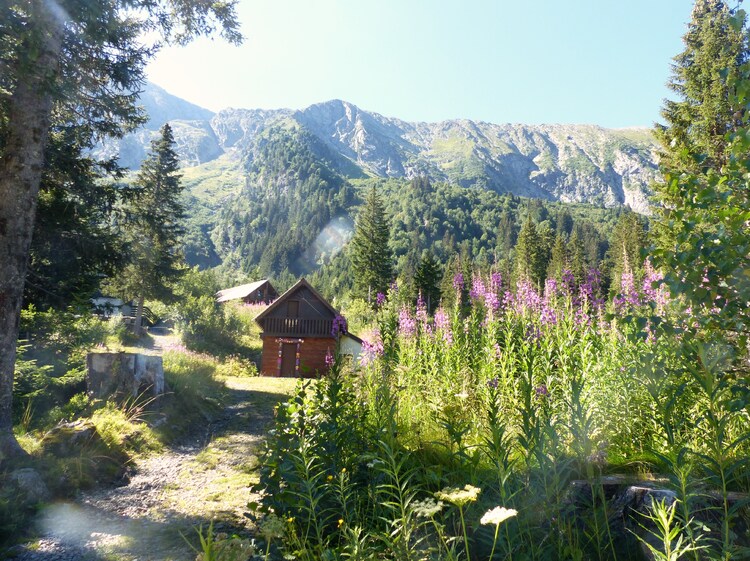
{"x":603,"y":62}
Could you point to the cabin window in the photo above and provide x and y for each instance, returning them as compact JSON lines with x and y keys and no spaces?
{"x":292,"y":309}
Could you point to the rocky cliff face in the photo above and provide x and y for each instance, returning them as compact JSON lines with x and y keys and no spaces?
{"x":572,"y":163}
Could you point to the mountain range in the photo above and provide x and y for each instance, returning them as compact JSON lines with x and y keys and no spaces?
{"x":568,"y":163}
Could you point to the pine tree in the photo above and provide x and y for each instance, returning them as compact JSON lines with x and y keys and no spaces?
{"x":370,"y":254}
{"x":427,"y":281}
{"x":154,"y":226}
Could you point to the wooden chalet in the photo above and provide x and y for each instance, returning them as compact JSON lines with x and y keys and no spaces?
{"x":259,"y":292}
{"x":298,"y":333}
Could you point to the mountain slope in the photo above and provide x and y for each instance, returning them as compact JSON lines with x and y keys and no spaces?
{"x":570,"y":163}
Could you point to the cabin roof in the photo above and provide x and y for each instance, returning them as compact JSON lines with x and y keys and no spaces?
{"x":241,"y":291}
{"x":281,"y":299}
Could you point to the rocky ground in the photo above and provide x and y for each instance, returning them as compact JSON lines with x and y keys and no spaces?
{"x":170,"y":496}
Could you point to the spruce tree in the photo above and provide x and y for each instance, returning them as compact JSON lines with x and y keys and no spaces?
{"x":427,"y":281}
{"x":154,"y":226}
{"x":559,"y":257}
{"x":370,"y":254}
{"x":530,"y":261}
{"x":716,"y":45}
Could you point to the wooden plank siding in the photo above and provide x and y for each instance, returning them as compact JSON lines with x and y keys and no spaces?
{"x":312,"y":352}
{"x":297,"y":327}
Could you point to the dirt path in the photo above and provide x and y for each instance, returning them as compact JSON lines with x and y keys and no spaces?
{"x":171,"y":494}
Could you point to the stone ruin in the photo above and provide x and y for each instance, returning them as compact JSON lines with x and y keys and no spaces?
{"x":124,"y":375}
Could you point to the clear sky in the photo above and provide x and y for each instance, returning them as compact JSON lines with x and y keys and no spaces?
{"x":603,"y":62}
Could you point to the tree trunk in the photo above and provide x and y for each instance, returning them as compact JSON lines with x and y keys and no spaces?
{"x":20,"y":174}
{"x":137,"y":327}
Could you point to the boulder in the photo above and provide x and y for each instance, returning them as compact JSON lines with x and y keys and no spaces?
{"x":123,"y":375}
{"x":29,"y":486}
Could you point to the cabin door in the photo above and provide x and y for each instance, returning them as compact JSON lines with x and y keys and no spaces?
{"x":288,"y":360}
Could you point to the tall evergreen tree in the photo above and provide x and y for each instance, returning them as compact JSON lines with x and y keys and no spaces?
{"x":427,"y":280}
{"x":154,"y":226}
{"x":370,"y":254}
{"x":559,"y":257}
{"x":694,"y":140}
{"x":529,"y":257}
{"x":716,"y":45}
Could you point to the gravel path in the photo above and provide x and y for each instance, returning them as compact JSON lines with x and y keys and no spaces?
{"x":170,"y":495}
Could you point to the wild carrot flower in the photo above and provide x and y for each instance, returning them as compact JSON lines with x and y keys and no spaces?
{"x":498,"y":515}
{"x":457,"y":496}
{"x":427,"y":508}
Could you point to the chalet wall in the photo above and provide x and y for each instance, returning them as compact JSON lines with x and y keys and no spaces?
{"x":313,"y":352}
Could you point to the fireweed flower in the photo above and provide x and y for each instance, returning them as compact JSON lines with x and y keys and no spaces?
{"x":541,"y":391}
{"x":371,"y":350}
{"x":339,"y":326}
{"x":407,"y":326}
{"x":329,"y":358}
{"x":457,"y":496}
{"x":458,"y":281}
{"x":380,"y":299}
{"x":496,"y":282}
{"x":568,"y":282}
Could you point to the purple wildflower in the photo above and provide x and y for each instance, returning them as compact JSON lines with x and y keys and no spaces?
{"x":458,"y":281}
{"x":339,"y":326}
{"x":371,"y":350}
{"x":477,"y":288}
{"x":548,"y":315}
{"x":496,"y":282}
{"x":380,"y":299}
{"x":329,"y":358}
{"x":527,"y":298}
{"x":407,"y":326}
{"x":568,"y":282}
{"x":493,"y":383}
{"x":541,"y":391}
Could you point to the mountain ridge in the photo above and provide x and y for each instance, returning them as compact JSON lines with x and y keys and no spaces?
{"x":563,"y":162}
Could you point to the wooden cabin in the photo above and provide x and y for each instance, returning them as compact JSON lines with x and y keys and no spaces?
{"x":298,"y":333}
{"x":259,"y":292}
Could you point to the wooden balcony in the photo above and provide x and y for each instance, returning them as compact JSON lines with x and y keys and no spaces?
{"x":297,"y":327}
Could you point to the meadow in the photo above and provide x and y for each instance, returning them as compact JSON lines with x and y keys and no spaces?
{"x":498,"y":429}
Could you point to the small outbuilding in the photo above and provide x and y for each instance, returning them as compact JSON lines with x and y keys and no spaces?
{"x":300,"y":330}
{"x":259,"y":292}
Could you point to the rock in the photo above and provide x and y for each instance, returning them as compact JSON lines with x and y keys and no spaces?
{"x":68,"y":439}
{"x":123,"y":375}
{"x":30,"y":486}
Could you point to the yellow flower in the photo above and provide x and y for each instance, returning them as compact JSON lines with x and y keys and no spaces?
{"x":341,"y":522}
{"x":290,"y":520}
{"x":330,"y":478}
